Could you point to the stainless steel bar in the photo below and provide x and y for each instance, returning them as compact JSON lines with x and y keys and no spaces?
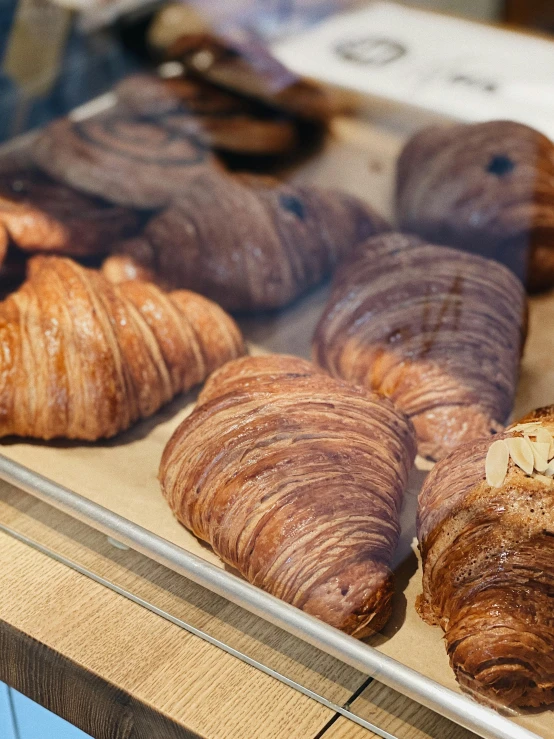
{"x":458,"y":708}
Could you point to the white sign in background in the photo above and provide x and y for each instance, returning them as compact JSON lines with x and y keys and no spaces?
{"x":454,"y":67}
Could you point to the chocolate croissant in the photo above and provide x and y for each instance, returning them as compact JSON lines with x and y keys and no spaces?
{"x":296,"y":480}
{"x":486,"y":188}
{"x":438,"y":331}
{"x":486,"y":533}
{"x":248,"y":242}
{"x":84,"y":359}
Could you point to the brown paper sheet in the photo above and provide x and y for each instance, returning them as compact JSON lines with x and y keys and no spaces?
{"x":122,"y":474}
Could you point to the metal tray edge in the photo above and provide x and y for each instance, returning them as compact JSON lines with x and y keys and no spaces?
{"x":458,"y":708}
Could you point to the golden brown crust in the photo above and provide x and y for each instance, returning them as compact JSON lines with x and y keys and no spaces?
{"x":486,"y":188}
{"x":40,"y":214}
{"x":296,"y":480}
{"x":250,"y":242}
{"x":437,"y":331}
{"x":83,"y":359}
{"x":488,"y":574}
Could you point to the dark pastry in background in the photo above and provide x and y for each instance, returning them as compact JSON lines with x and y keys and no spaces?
{"x":220,"y":120}
{"x":247,"y":68}
{"x":438,"y":331}
{"x":248,"y":242}
{"x":38,"y":214}
{"x":85,"y":359}
{"x":296,"y":480}
{"x":486,"y":533}
{"x":127,"y":158}
{"x":486,"y":188}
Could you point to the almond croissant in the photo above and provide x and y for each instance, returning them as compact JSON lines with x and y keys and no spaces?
{"x":296,"y":480}
{"x":488,"y":568}
{"x":83,"y":359}
{"x":250,"y":243}
{"x":438,"y":331}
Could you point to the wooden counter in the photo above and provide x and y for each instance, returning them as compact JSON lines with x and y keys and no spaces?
{"x":119,"y":671}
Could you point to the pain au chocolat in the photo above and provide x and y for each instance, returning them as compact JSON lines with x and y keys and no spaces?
{"x":248,"y":242}
{"x":296,"y":480}
{"x":438,"y":331}
{"x":486,"y":533}
{"x":486,"y":188}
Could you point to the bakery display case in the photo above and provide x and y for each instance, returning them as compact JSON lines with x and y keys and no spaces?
{"x":275,"y":350}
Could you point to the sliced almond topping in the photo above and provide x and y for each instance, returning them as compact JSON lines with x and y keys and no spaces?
{"x":549,"y":471}
{"x":551,"y":452}
{"x":521,"y":452}
{"x":496,"y":463}
{"x":543,"y":478}
{"x":544,"y":436}
{"x":540,"y":455}
{"x":528,"y":428}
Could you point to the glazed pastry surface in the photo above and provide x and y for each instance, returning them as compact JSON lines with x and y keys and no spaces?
{"x":488,"y":573}
{"x":438,"y":331}
{"x":296,"y":480}
{"x":84,"y":359}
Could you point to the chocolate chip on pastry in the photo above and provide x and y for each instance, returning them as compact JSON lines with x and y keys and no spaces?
{"x":250,"y":242}
{"x":40,"y":214}
{"x":296,"y":480}
{"x":486,"y":533}
{"x":217,"y":118}
{"x":486,"y":188}
{"x":101,"y":356}
{"x":438,"y":331}
{"x":124,"y":157}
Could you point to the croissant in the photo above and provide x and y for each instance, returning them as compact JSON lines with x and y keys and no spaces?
{"x":40,"y":214}
{"x":438,"y":331}
{"x":296,"y":480}
{"x":486,"y":188}
{"x":83,"y":359}
{"x":248,"y":242}
{"x":486,"y":533}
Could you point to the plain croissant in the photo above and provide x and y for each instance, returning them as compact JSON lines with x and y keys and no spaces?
{"x":438,"y":331}
{"x":248,"y":242}
{"x":488,"y":569}
{"x":84,"y":359}
{"x":296,"y":480}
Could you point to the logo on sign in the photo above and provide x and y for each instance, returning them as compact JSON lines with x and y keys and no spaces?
{"x":371,"y":51}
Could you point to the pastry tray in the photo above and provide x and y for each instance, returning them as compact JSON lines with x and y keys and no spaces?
{"x":112,"y":486}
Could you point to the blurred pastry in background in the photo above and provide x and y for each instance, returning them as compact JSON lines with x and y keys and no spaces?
{"x":40,"y":215}
{"x":248,"y":242}
{"x":227,"y":123}
{"x":247,"y":68}
{"x":127,"y":158}
{"x":486,"y":188}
